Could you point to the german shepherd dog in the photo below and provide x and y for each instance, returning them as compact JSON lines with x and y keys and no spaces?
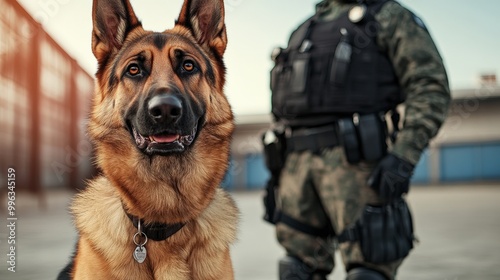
{"x":161,"y":126}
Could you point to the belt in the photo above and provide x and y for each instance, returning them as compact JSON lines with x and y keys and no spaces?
{"x":313,"y":139}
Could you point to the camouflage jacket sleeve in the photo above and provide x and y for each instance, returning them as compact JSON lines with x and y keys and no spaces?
{"x":421,"y":74}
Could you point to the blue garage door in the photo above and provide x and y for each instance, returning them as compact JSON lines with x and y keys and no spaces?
{"x":256,"y":171}
{"x":470,"y":162}
{"x":422,"y":173}
{"x":228,"y":181}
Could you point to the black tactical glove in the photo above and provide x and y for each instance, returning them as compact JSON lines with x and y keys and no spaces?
{"x":391,"y":177}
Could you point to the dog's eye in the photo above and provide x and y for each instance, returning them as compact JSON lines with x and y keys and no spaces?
{"x":133,"y":70}
{"x":188,"y":66}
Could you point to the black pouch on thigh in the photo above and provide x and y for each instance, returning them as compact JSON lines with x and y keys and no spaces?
{"x":386,"y":232}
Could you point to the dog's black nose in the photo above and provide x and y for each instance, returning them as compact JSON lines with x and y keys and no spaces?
{"x":165,"y":108}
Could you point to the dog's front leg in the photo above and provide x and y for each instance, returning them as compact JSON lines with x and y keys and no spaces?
{"x":172,"y":270}
{"x":205,"y":265}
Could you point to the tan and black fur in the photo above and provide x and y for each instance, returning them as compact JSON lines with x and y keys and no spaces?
{"x":161,"y":126}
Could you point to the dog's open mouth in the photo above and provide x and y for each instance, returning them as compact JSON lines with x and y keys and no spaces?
{"x":163,"y":143}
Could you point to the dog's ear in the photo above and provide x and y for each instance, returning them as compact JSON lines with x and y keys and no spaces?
{"x":112,"y":20}
{"x":205,"y":19}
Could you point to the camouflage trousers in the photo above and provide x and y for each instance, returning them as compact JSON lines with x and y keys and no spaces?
{"x":323,"y":190}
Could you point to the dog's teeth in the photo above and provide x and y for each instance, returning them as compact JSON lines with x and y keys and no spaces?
{"x":187,"y":140}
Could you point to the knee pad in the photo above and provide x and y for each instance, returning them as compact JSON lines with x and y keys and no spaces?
{"x":362,"y":273}
{"x":292,"y":268}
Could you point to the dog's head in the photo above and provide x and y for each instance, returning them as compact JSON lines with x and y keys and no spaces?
{"x":166,"y":79}
{"x":159,"y":112}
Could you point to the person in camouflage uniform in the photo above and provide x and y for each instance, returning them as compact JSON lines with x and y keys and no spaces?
{"x":323,"y":190}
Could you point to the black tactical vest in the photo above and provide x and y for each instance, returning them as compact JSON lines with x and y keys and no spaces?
{"x":311,"y":85}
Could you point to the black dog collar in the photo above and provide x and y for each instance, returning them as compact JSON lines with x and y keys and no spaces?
{"x":156,"y":231}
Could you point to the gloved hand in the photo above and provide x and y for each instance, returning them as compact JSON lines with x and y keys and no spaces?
{"x":391,"y":177}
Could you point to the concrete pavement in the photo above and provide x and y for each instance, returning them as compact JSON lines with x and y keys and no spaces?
{"x":458,"y":226}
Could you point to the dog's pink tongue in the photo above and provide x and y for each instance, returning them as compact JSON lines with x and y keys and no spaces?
{"x":165,"y":138}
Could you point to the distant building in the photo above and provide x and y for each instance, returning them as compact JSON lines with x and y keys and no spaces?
{"x":467,"y":149}
{"x":44,"y":100}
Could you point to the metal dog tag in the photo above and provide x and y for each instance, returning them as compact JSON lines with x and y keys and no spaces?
{"x":140,"y":253}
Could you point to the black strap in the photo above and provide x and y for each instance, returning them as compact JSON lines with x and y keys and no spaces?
{"x":156,"y":231}
{"x":303,"y":33}
{"x":348,"y":235}
{"x":302,"y":227}
{"x":377,"y":5}
{"x":313,"y":139}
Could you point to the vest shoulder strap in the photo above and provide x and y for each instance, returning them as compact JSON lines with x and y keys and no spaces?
{"x":304,"y":30}
{"x":376,"y":5}
{"x":302,"y":33}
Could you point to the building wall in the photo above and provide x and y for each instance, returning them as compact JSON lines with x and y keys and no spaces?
{"x":471,"y":120}
{"x":247,"y":164}
{"x":468,"y":145}
{"x":44,"y":97}
{"x":15,"y":55}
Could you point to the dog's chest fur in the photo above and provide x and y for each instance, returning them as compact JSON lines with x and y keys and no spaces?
{"x":108,"y":232}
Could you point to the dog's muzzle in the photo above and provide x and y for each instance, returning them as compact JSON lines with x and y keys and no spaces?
{"x":170,"y":130}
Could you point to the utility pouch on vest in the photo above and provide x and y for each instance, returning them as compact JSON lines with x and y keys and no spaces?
{"x":288,"y":83}
{"x":386,"y":232}
{"x":300,"y":72}
{"x":349,"y":140}
{"x":372,"y":137}
{"x":341,"y":61}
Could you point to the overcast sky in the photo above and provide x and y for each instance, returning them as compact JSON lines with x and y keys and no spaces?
{"x":467,"y":33}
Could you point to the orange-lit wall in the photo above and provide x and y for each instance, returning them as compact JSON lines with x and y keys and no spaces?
{"x":44,"y":100}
